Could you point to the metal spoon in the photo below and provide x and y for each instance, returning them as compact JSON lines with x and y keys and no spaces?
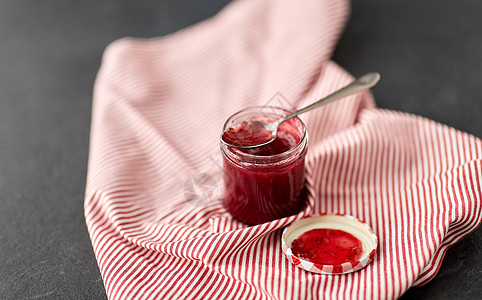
{"x":269,"y":130}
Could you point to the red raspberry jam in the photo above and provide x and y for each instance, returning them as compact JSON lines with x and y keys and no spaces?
{"x":327,"y":247}
{"x":265,"y":183}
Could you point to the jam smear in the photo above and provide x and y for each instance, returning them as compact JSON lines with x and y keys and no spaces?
{"x":327,"y":246}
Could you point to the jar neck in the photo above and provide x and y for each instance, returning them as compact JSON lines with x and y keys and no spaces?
{"x":295,"y":128}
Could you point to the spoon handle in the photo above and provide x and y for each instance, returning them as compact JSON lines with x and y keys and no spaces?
{"x":360,"y":84}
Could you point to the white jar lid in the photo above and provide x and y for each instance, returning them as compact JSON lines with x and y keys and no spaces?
{"x":346,"y":223}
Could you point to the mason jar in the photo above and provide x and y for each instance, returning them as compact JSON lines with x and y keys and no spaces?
{"x":266,"y":183}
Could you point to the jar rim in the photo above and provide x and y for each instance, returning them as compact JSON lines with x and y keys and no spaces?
{"x":269,"y":158}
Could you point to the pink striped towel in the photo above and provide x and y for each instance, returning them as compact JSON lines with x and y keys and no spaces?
{"x":159,"y":106}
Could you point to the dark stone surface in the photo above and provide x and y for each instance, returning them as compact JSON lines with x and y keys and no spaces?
{"x":429,"y":54}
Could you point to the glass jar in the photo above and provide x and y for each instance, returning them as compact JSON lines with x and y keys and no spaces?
{"x":266,"y":183}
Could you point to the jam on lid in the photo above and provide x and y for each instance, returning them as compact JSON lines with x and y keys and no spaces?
{"x":329,"y":244}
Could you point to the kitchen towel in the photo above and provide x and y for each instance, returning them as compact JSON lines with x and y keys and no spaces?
{"x":153,"y":203}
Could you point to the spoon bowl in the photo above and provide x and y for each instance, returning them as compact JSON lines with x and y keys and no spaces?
{"x":250,"y":134}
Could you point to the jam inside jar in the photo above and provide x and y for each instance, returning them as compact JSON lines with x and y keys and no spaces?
{"x":266,"y":183}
